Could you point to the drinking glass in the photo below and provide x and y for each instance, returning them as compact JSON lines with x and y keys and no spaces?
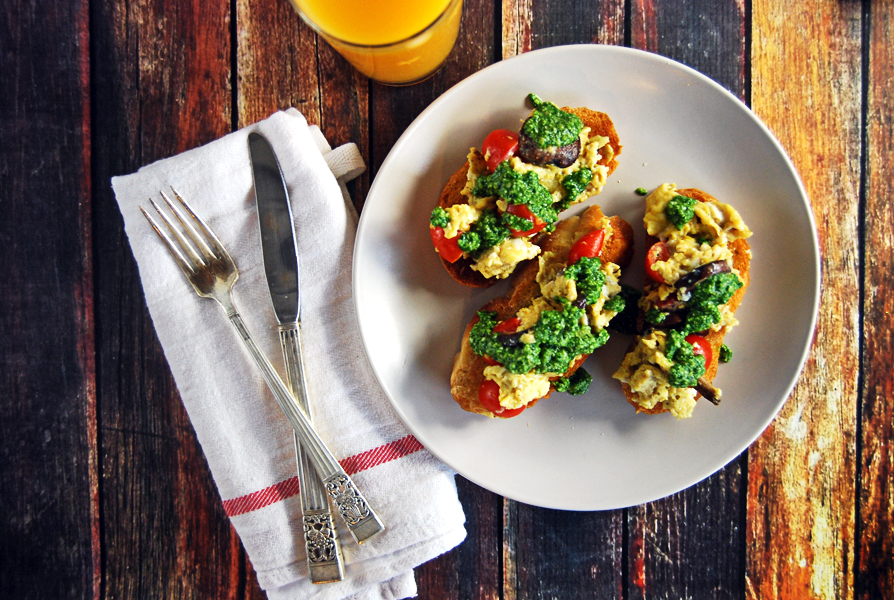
{"x":396,"y":42}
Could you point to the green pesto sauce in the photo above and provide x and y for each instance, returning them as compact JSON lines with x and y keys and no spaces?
{"x":549,"y":125}
{"x":518,"y":188}
{"x":439,"y":217}
{"x":515,"y":222}
{"x":726,"y":354}
{"x":559,"y":337}
{"x":588,"y":277}
{"x":576,"y":385}
{"x":487,"y":231}
{"x":575,"y":184}
{"x":655,"y":316}
{"x":616,"y":304}
{"x":706,"y":299}
{"x":688,"y":366}
{"x":680,"y":210}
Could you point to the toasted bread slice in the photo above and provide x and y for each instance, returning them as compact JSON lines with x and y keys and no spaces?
{"x":461,"y":270}
{"x":741,"y":262}
{"x":468,"y":368}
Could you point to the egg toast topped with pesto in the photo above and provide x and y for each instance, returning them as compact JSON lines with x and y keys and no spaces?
{"x":495,"y":208}
{"x":696,"y":273}
{"x":521,"y":347}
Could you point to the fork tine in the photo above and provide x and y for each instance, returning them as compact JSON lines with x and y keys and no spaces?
{"x":174,"y":248}
{"x":208,"y":238}
{"x":184,"y":244}
{"x":199,"y":240}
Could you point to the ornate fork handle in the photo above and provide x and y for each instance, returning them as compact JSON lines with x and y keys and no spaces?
{"x":350,"y":503}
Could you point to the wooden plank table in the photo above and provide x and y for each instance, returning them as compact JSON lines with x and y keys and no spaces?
{"x":103,"y":487}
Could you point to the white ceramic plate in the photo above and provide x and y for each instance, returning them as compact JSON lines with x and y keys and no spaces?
{"x":589,"y":452}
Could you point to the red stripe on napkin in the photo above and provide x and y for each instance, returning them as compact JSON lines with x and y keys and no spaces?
{"x":352,"y":464}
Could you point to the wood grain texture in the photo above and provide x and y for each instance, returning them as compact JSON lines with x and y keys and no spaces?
{"x":560,"y":554}
{"x":708,"y":36}
{"x":161,"y":74}
{"x":875,"y":544}
{"x":800,"y":521}
{"x":690,"y":545}
{"x":47,"y":415}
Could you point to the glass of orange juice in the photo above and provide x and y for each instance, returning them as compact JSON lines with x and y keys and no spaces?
{"x":397,"y":42}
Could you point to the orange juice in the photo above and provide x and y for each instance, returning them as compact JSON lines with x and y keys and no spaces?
{"x":392,"y":41}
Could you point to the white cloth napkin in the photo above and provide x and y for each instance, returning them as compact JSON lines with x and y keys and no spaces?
{"x":245,"y":437}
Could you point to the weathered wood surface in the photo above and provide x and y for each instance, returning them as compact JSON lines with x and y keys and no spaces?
{"x":802,"y":471}
{"x":103,"y":483}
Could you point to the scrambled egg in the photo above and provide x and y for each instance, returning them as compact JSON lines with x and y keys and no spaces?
{"x":461,"y":218}
{"x":529,"y":315}
{"x":500,"y":261}
{"x":712,"y":220}
{"x":518,"y":390}
{"x":598,"y":315}
{"x":645,"y":371}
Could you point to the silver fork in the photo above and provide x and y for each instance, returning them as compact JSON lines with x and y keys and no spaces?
{"x":212,"y":272}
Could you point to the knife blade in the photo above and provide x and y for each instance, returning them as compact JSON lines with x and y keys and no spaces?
{"x":281,"y":266}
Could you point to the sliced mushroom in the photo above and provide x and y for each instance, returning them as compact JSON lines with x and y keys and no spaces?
{"x":561,"y":156}
{"x":708,"y":391}
{"x":701,"y":273}
{"x":511,"y":340}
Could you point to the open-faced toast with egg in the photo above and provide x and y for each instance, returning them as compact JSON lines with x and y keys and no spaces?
{"x":521,"y":347}
{"x":494,"y":208}
{"x":696,"y":273}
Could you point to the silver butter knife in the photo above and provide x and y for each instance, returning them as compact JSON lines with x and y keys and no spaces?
{"x":281,"y":268}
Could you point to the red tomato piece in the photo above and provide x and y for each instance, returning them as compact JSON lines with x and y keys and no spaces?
{"x":489,"y":397}
{"x":522,"y":210}
{"x":590,"y":246}
{"x":508,"y":326}
{"x":499,"y":145}
{"x":701,"y":346}
{"x":657,"y":253}
{"x":448,"y":248}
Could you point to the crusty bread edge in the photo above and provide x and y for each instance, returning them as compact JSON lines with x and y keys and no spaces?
{"x":468,"y":368}
{"x":742,"y":263}
{"x":461,"y":270}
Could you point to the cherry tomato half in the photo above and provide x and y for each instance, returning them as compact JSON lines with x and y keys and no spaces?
{"x":657,"y":253}
{"x":522,"y":210}
{"x":508,"y":326}
{"x":499,"y":145}
{"x":448,"y":248}
{"x":590,"y":246}
{"x":489,"y":397}
{"x":701,"y":346}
